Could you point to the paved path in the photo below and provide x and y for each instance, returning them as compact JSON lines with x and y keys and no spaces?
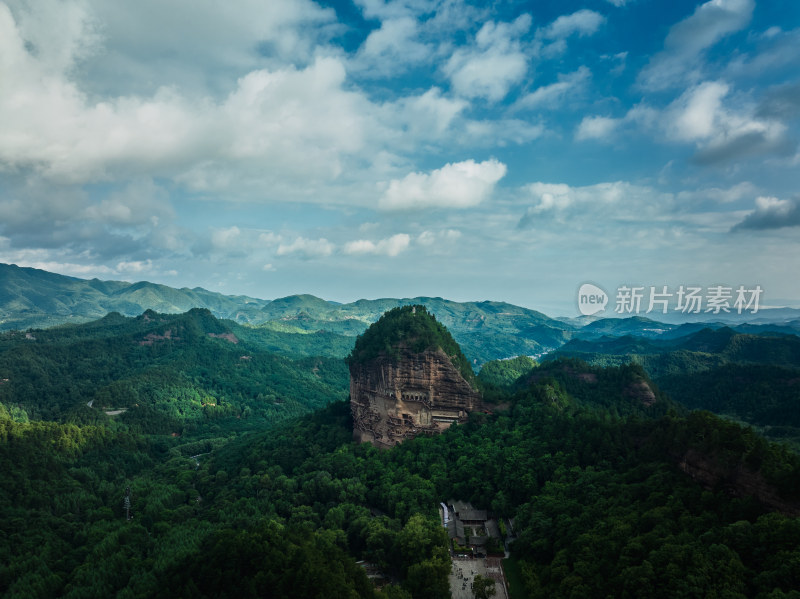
{"x":464,"y":571}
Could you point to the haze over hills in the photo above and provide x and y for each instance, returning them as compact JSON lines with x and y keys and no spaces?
{"x":486,"y":330}
{"x":31,"y":298}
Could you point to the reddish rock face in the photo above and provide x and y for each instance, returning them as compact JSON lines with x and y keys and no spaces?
{"x":738,"y":482}
{"x":419,"y":393}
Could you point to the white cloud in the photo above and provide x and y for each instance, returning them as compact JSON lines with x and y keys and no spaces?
{"x":199,"y":46}
{"x":268,"y":238}
{"x":681,"y":59}
{"x":430,"y":238}
{"x":427,"y":116}
{"x":720,"y":133}
{"x":140,"y":202}
{"x":772,"y":213}
{"x":392,"y":246}
{"x":583,"y":22}
{"x":568,"y":204}
{"x":389,"y":48}
{"x":493,"y":65}
{"x":596,"y":127}
{"x":225,"y":238}
{"x":551,"y":96}
{"x":307,"y":248}
{"x":455,"y":185}
{"x":137,"y":266}
{"x":392,"y":9}
{"x":718,"y":195}
{"x":697,"y":112}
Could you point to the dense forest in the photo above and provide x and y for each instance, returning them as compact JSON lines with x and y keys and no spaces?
{"x":614,"y":488}
{"x":186,"y":374}
{"x":751,"y":378}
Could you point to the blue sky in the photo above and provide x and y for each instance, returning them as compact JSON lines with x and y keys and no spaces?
{"x":370,"y":148}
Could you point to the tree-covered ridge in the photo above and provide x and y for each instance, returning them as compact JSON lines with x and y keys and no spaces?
{"x":506,"y":372}
{"x":600,"y":504}
{"x":754,"y":378}
{"x":485,"y":330}
{"x":161,"y":373}
{"x":597,"y":476}
{"x":412,"y":327}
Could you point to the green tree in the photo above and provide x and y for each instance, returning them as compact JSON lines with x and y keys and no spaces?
{"x":483,"y":587}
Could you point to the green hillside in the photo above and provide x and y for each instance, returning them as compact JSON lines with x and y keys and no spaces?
{"x":163,"y":373}
{"x":753,"y":378}
{"x":594,"y":481}
{"x":31,"y":298}
{"x":36,"y":298}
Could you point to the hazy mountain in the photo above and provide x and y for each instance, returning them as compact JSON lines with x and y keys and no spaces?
{"x":32,"y":298}
{"x":36,"y":298}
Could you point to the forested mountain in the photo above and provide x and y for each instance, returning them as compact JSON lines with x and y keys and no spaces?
{"x":755,"y":378}
{"x":233,"y":445}
{"x":36,"y":298}
{"x":162,"y":373}
{"x":599,"y":482}
{"x":486,"y":330}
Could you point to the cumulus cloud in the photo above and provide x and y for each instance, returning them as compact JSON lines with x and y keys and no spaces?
{"x":583,"y":22}
{"x":297,"y":119}
{"x":392,"y":47}
{"x":493,"y":65}
{"x":557,"y":200}
{"x":136,"y":267}
{"x":781,"y":102}
{"x":718,"y":195}
{"x":425,"y":116}
{"x":772,"y":213}
{"x":225,"y":238}
{"x":721,"y":134}
{"x":392,"y":9}
{"x":455,"y":185}
{"x":306,"y":248}
{"x":551,"y":41}
{"x":391,"y":246}
{"x":223,"y":42}
{"x":430,"y":238}
{"x":596,"y":127}
{"x":776,"y":53}
{"x":553,"y":95}
{"x":687,"y":41}
{"x":140,"y":202}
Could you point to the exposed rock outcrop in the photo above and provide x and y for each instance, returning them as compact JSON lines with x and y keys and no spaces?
{"x":408,"y":377}
{"x":399,"y":397}
{"x":641,"y":392}
{"x":738,"y":481}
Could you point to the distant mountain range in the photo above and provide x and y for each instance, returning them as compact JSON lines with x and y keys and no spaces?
{"x":32,"y":298}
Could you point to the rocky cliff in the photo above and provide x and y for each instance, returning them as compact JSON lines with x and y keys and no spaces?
{"x":399,"y":397}
{"x":408,"y":377}
{"x":737,"y":481}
